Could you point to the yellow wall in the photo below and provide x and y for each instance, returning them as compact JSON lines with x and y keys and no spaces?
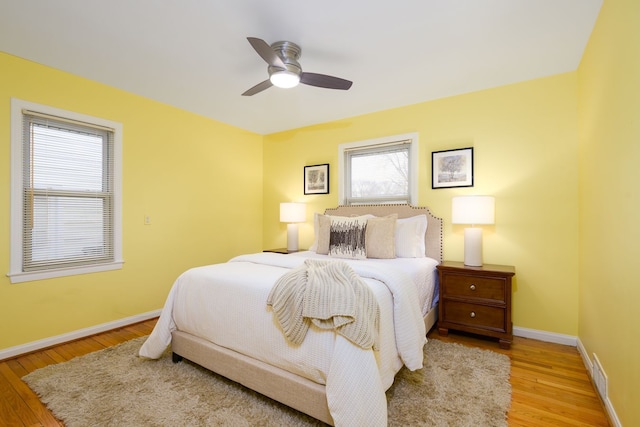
{"x":179,"y":168}
{"x":553,"y":151}
{"x":525,"y":141}
{"x":609,"y":111}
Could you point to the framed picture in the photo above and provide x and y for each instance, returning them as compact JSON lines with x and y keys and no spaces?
{"x":316,"y":179}
{"x":452,"y":168}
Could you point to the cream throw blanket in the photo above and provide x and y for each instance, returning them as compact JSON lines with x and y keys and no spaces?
{"x":330,"y":295}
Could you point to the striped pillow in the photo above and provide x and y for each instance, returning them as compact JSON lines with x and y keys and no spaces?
{"x":347,"y":237}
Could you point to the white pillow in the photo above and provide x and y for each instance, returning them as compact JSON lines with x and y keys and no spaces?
{"x":410,"y":234}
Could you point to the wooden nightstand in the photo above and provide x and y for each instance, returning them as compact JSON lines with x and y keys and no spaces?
{"x":280,"y":251}
{"x":476,"y":300}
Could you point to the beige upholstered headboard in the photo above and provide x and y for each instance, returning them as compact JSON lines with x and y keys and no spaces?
{"x":433,"y":237}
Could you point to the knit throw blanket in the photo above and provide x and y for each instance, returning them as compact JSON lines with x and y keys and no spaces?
{"x":330,"y":295}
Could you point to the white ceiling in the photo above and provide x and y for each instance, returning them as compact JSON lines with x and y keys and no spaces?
{"x":194,"y":54}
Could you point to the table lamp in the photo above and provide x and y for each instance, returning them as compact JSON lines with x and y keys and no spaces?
{"x":473,"y":210}
{"x":292,"y":213}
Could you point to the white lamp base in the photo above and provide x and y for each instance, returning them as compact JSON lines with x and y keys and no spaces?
{"x":292,"y":237}
{"x":473,"y":247}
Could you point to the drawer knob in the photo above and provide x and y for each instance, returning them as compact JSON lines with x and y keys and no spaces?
{"x":472,"y":287}
{"x":473,"y":314}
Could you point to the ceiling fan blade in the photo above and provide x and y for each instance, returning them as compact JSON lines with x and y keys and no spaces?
{"x":258,"y":88}
{"x":322,"y":80}
{"x":265,"y":51}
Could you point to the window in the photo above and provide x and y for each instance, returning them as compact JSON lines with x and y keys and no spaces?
{"x":65,"y":193}
{"x":379,"y":171}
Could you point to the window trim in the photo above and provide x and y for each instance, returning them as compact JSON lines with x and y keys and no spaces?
{"x":16,"y":274}
{"x":413,"y":162}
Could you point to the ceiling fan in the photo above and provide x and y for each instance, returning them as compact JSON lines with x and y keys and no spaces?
{"x":285,"y":71}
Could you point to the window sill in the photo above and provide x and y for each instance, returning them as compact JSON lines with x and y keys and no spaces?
{"x":30,"y":276}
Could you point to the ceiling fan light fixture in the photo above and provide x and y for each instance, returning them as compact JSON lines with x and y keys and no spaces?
{"x":285,"y":71}
{"x":284,"y":79}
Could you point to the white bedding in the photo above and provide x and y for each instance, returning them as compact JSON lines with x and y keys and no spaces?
{"x":226,"y":304}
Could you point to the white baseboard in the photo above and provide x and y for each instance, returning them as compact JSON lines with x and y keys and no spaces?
{"x":81,"y":333}
{"x":588,"y":363}
{"x":585,"y":357}
{"x":545,"y":336}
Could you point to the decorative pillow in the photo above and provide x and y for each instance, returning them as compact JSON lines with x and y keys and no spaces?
{"x":347,"y":237}
{"x":324,"y":225}
{"x":321,"y":225}
{"x":314,"y":245}
{"x":380,"y":240}
{"x":410,"y":236}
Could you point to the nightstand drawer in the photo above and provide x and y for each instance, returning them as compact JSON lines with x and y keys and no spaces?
{"x":456,"y":285}
{"x":474,"y":315}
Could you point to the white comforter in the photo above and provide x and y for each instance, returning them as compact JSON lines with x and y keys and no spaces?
{"x":226,"y":304}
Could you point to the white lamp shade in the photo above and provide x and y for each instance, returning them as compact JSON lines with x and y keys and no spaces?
{"x":293,"y":212}
{"x":473,"y":210}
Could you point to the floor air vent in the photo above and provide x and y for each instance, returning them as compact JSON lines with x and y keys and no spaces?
{"x":599,"y":378}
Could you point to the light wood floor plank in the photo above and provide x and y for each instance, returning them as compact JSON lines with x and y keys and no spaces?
{"x":24,"y":401}
{"x":107,"y":340}
{"x":12,"y":407}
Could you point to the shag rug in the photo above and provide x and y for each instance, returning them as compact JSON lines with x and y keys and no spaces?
{"x":459,"y":386}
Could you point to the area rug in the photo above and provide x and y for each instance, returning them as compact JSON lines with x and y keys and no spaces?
{"x":459,"y":386}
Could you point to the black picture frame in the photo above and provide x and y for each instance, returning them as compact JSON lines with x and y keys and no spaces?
{"x":316,"y":179}
{"x":452,"y":168}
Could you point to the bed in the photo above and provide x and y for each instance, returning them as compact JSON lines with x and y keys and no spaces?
{"x":326,"y":376}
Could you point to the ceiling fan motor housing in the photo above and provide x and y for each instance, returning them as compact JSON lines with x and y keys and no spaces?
{"x":289,"y":53}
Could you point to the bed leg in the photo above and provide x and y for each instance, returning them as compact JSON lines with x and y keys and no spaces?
{"x":176,"y":358}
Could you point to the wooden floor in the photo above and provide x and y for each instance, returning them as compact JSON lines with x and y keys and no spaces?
{"x":550,"y":385}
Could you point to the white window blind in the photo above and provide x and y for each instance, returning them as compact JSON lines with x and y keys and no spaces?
{"x":379,"y":171}
{"x":68,"y":193}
